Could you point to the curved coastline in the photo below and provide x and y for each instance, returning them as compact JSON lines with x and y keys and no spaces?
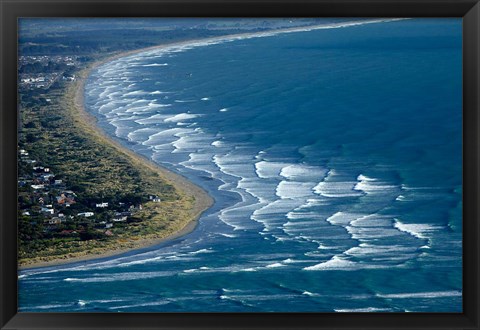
{"x":203,"y":201}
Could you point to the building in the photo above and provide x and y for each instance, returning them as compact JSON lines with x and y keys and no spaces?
{"x":154,"y":198}
{"x":85,"y":214}
{"x":54,"y":221}
{"x":47,"y":210}
{"x":101,"y":205}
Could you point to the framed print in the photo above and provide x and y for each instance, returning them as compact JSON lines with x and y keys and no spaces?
{"x":239,"y":165}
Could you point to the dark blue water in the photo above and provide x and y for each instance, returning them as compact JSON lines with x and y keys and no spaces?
{"x":335,"y":160}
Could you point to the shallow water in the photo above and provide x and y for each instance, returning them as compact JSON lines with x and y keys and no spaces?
{"x":335,"y":160}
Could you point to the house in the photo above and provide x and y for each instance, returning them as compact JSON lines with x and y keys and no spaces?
{"x":85,"y":214}
{"x":25,"y":213}
{"x":108,"y":233}
{"x":47,"y":210}
{"x":54,"y":221}
{"x":119,"y":219}
{"x":108,"y":225}
{"x":62,"y":199}
{"x":154,"y":198}
{"x":37,"y":186}
{"x":47,"y":176}
{"x":101,"y":205}
{"x":57,"y":182}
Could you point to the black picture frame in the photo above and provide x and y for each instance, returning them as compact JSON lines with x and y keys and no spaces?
{"x":11,"y":10}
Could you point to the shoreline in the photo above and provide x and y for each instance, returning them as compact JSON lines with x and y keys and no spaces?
{"x":203,"y":201}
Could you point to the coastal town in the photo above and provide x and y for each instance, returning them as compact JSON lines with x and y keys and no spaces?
{"x":49,"y":200}
{"x":41,"y":72}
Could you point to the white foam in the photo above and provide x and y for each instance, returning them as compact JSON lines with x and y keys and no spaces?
{"x":141,"y":261}
{"x":335,"y":189}
{"x":52,"y":306}
{"x":301,"y":172}
{"x":237,"y":217}
{"x":420,"y":231}
{"x":293,"y":261}
{"x":370,"y":250}
{"x":157,"y":303}
{"x":267,"y":170}
{"x":275,"y":265}
{"x":343,"y":218}
{"x":131,"y":276}
{"x":165,"y":136}
{"x":372,"y":220}
{"x":264,"y":192}
{"x":228,"y":235}
{"x":294,"y":189}
{"x":372,"y":186}
{"x":202,"y":251}
{"x":371,"y":233}
{"x":248,"y":270}
{"x":342,"y":263}
{"x":155,"y":64}
{"x":223,"y":110}
{"x":336,"y":263}
{"x":155,"y":119}
{"x":135,"y":93}
{"x":181,"y":117}
{"x":421,"y":295}
{"x":362,"y":310}
{"x":159,"y":93}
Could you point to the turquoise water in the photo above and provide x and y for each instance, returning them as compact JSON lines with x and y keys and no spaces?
{"x":335,"y":160}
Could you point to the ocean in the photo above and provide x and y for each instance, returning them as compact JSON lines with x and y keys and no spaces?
{"x":334,"y":156}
